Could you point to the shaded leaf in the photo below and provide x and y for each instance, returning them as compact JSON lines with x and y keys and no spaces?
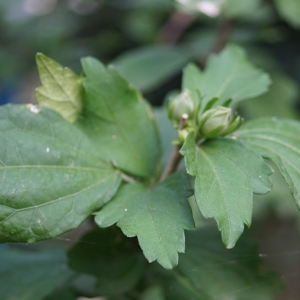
{"x":279,"y":140}
{"x":31,"y":275}
{"x":209,"y":271}
{"x":227,"y":173}
{"x":157,"y":216}
{"x":279,"y":101}
{"x":153,"y":293}
{"x":119,"y":121}
{"x":289,"y":11}
{"x":110,"y":257}
{"x":228,"y":75}
{"x":62,"y":89}
{"x":51,"y":176}
{"x":148,"y":67}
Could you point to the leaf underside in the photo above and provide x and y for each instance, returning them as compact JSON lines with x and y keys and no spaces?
{"x":51,"y":176}
{"x":157,"y":216}
{"x":227,"y":173}
{"x":278,"y":140}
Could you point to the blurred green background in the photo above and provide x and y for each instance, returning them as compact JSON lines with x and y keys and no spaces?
{"x":150,"y":41}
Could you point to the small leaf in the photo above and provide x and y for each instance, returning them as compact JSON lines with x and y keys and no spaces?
{"x":279,"y":140}
{"x":228,"y":75}
{"x":227,"y":173}
{"x":31,"y":275}
{"x":119,"y":121}
{"x":110,"y":257}
{"x":52,"y":178}
{"x":157,"y":216}
{"x":62,"y":89}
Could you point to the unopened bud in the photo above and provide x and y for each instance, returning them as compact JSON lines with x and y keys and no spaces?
{"x":183,"y":104}
{"x":217,"y":121}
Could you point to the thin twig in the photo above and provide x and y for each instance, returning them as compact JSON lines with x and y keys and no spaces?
{"x":176,"y":157}
{"x":221,"y":39}
{"x":175,"y":26}
{"x":220,"y":42}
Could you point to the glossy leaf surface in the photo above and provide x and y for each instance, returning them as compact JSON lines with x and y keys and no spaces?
{"x":157,"y":216}
{"x":51,"y":176}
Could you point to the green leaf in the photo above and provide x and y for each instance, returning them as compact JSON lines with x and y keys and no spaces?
{"x":289,"y":11}
{"x":51,"y":176}
{"x":227,"y":173}
{"x":280,"y":100}
{"x":208,"y":271}
{"x":62,"y":89}
{"x":228,"y":75}
{"x":148,"y":67}
{"x":119,"y":121}
{"x":30,"y":275}
{"x":153,"y":293}
{"x":278,"y":140}
{"x":157,"y":216}
{"x":110,"y":257}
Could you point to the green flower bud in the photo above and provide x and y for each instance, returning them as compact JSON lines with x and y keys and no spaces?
{"x":182,"y":104}
{"x":217,"y":121}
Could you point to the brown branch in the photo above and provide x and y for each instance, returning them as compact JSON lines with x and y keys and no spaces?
{"x":175,"y":27}
{"x":221,"y":39}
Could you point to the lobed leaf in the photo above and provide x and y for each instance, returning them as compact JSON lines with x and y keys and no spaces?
{"x":119,"y":121}
{"x":62,"y":89}
{"x":279,"y":140}
{"x":228,"y":75}
{"x":52,"y":178}
{"x":157,"y":216}
{"x":227,"y":173}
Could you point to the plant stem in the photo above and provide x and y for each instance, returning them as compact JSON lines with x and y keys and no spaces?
{"x":220,"y":42}
{"x":221,"y":39}
{"x":176,"y":157}
{"x":175,"y":26}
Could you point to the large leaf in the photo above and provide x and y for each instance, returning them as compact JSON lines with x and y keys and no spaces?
{"x":30,"y":275}
{"x":51,"y":176}
{"x":157,"y":216}
{"x":208,"y":271}
{"x":110,"y":257}
{"x":228,"y":75}
{"x":289,"y":10}
{"x":62,"y":89}
{"x":227,"y":173}
{"x":119,"y":121}
{"x":278,"y":140}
